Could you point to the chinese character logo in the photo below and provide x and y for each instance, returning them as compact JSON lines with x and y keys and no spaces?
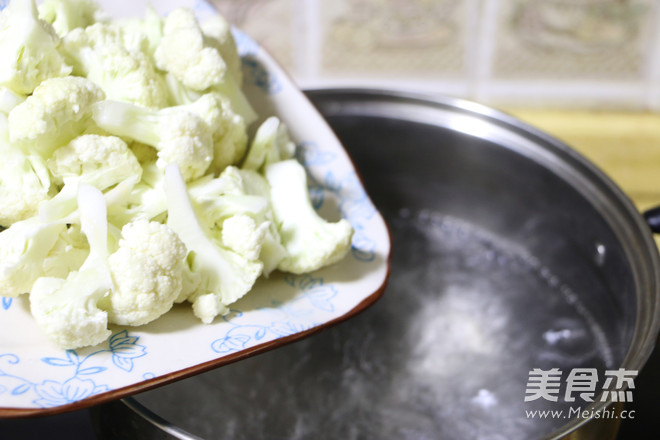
{"x":581,"y":382}
{"x":623,"y":378}
{"x":543,"y":384}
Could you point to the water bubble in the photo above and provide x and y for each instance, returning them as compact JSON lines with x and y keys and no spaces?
{"x":484,"y":399}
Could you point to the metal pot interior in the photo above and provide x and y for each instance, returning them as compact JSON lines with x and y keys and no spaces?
{"x":510,"y":252}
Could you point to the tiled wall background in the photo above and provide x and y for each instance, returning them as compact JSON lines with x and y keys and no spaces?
{"x":562,"y":53}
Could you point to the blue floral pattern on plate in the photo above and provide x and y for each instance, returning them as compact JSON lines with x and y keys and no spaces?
{"x":280,"y":319}
{"x":81,"y":374}
{"x":34,"y":374}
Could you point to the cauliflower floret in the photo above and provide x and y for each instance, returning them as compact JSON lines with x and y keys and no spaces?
{"x":311,"y":242}
{"x":237,"y":192}
{"x":146,"y":201}
{"x":23,"y":185}
{"x":235,"y":208}
{"x":147,"y":271}
{"x":149,"y":28}
{"x":111,"y":57}
{"x":217,"y":34}
{"x":182,"y":52}
{"x":101,"y":161}
{"x":24,"y":181}
{"x":120,"y":187}
{"x":243,"y":235}
{"x":66,"y":15}
{"x":224,"y":196}
{"x":195,"y":64}
{"x":230,"y":142}
{"x":178,"y":93}
{"x":271,"y":144}
{"x":68,"y":254}
{"x":67,"y":309}
{"x":58,"y":111}
{"x":147,"y":198}
{"x":272,"y":250}
{"x":179,"y":135}
{"x":28,"y":48}
{"x":228,"y":128}
{"x":30,"y":247}
{"x":23,"y":248}
{"x":207,"y":306}
{"x":225,"y":276}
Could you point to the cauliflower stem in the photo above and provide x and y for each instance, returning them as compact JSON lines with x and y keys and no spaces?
{"x":226,"y":276}
{"x":179,"y":135}
{"x":310,"y":241}
{"x":67,"y":309}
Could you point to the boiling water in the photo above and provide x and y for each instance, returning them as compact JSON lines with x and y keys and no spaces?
{"x":446,"y":353}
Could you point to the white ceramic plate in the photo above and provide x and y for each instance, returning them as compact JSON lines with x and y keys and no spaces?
{"x":38,"y":378}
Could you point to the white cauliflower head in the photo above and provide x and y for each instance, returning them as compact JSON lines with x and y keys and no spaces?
{"x":182,"y":52}
{"x":66,"y":15}
{"x":271,"y":144}
{"x":225,"y":275}
{"x":186,"y":141}
{"x":146,"y":30}
{"x":243,"y":235}
{"x":58,"y":111}
{"x":106,"y":54}
{"x":217,"y":33}
{"x":235,"y":206}
{"x":23,"y":248}
{"x":147,"y":272}
{"x":24,"y":184}
{"x":100,"y":161}
{"x":180,"y":136}
{"x":28,"y":48}
{"x":228,"y":129}
{"x":66,"y":309}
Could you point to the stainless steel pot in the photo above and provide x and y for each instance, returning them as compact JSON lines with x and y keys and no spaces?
{"x":510,"y":252}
